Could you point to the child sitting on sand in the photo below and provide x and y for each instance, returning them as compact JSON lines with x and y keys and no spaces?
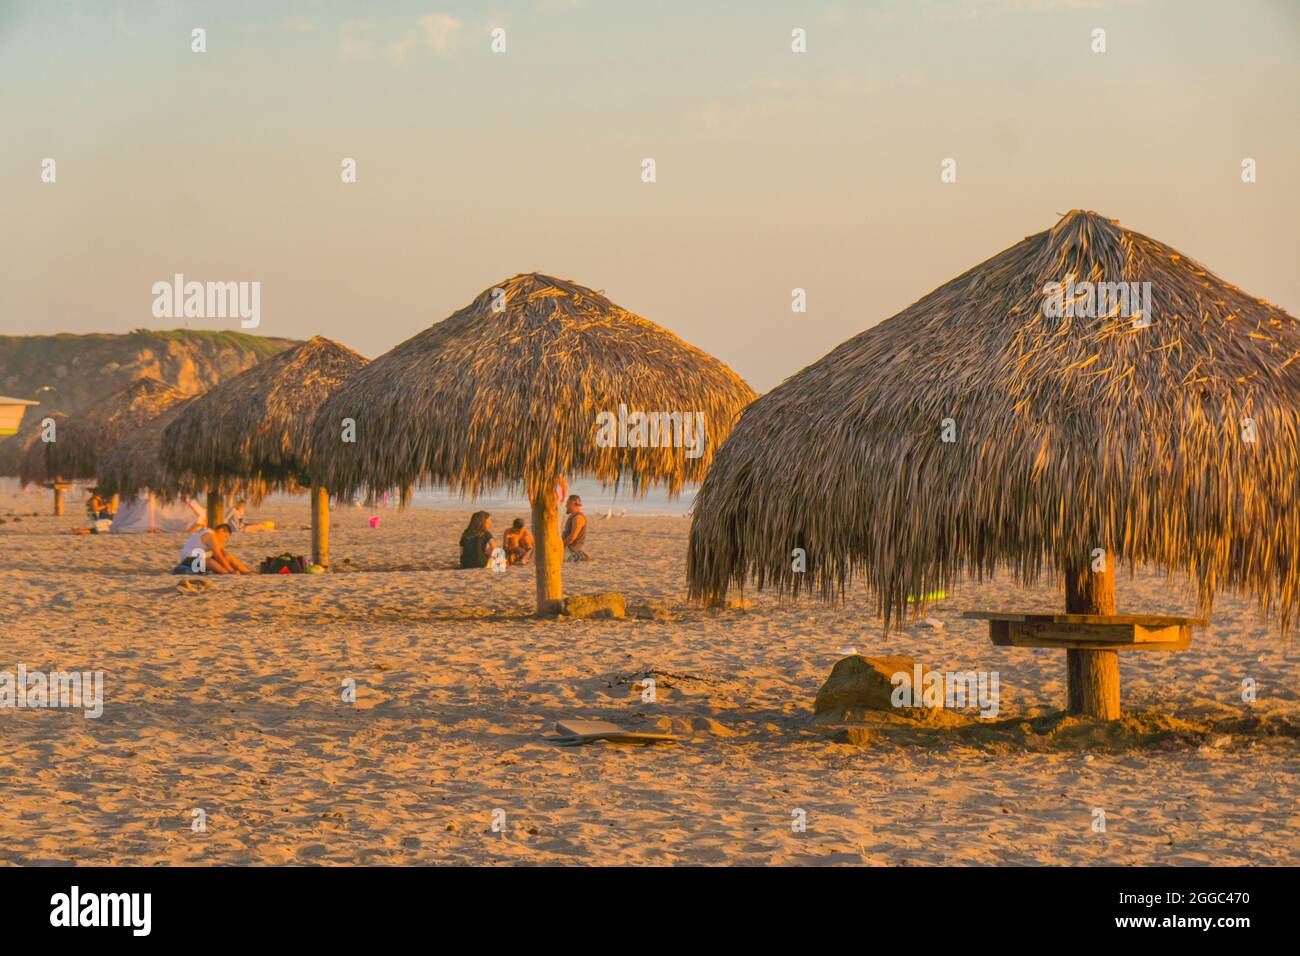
{"x":518,"y":542}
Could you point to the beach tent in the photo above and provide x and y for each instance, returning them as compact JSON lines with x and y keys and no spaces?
{"x":1086,"y":399}
{"x":256,"y":427}
{"x":511,"y":390}
{"x":145,"y":513}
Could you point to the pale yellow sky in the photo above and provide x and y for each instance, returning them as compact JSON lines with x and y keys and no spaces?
{"x":775,"y":169}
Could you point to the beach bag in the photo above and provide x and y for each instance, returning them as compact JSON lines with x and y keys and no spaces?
{"x":283,"y":564}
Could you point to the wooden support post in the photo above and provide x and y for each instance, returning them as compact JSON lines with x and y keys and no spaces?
{"x":550,"y":552}
{"x":216,"y":511}
{"x":58,"y":487}
{"x":1092,"y":677}
{"x":320,"y":526}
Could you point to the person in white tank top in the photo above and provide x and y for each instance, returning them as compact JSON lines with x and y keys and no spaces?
{"x":211,"y":542}
{"x":195,"y":543}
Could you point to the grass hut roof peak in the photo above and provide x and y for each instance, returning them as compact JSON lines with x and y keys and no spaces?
{"x":1021,"y":416}
{"x":255,"y":426}
{"x":506,"y":392}
{"x":90,"y":433}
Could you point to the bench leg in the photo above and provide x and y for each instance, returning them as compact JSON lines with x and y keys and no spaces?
{"x":1093,"y":683}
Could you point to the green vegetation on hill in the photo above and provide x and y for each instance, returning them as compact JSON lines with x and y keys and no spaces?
{"x":259,"y":345}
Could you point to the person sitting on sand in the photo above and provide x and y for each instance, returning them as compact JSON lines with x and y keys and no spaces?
{"x":575,"y":530}
{"x":239,"y":522}
{"x":99,"y":508}
{"x":519,"y":543}
{"x":477,"y":543}
{"x":235,"y":518}
{"x":216,"y":559}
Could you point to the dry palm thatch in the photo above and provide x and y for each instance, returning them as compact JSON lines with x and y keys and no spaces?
{"x":35,"y":459}
{"x":11,"y":452}
{"x":90,"y":433}
{"x":35,"y":465}
{"x":487,"y":399}
{"x":506,"y":392}
{"x":257,"y":425}
{"x":1071,"y":434}
{"x":134,"y":465}
{"x":13,"y":447}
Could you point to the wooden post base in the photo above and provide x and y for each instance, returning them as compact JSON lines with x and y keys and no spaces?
{"x":59,"y":488}
{"x":550,"y":553}
{"x":1092,"y":683}
{"x":320,"y":526}
{"x":1092,"y":677}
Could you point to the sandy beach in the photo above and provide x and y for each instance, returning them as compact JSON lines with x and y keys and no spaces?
{"x":229,"y":700}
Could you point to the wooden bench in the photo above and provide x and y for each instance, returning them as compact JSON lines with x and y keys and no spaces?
{"x":1093,"y":633}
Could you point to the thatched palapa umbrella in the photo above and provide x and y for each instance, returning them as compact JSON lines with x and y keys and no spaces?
{"x":509,"y":391}
{"x":90,"y":433}
{"x":256,"y":426}
{"x":135,"y":465}
{"x":1172,"y":438}
{"x":35,"y":465}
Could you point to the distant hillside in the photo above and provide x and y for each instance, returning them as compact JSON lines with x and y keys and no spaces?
{"x":66,"y":373}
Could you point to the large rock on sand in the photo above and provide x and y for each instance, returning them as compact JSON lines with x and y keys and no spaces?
{"x":594,"y":605}
{"x":864,"y":683}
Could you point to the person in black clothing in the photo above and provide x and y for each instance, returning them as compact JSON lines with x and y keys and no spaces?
{"x":477,"y":543}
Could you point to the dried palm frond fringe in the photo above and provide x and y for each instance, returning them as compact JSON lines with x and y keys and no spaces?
{"x":13,"y":447}
{"x":256,"y":426}
{"x":134,"y":465}
{"x":34,"y":454}
{"x":1072,"y":434}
